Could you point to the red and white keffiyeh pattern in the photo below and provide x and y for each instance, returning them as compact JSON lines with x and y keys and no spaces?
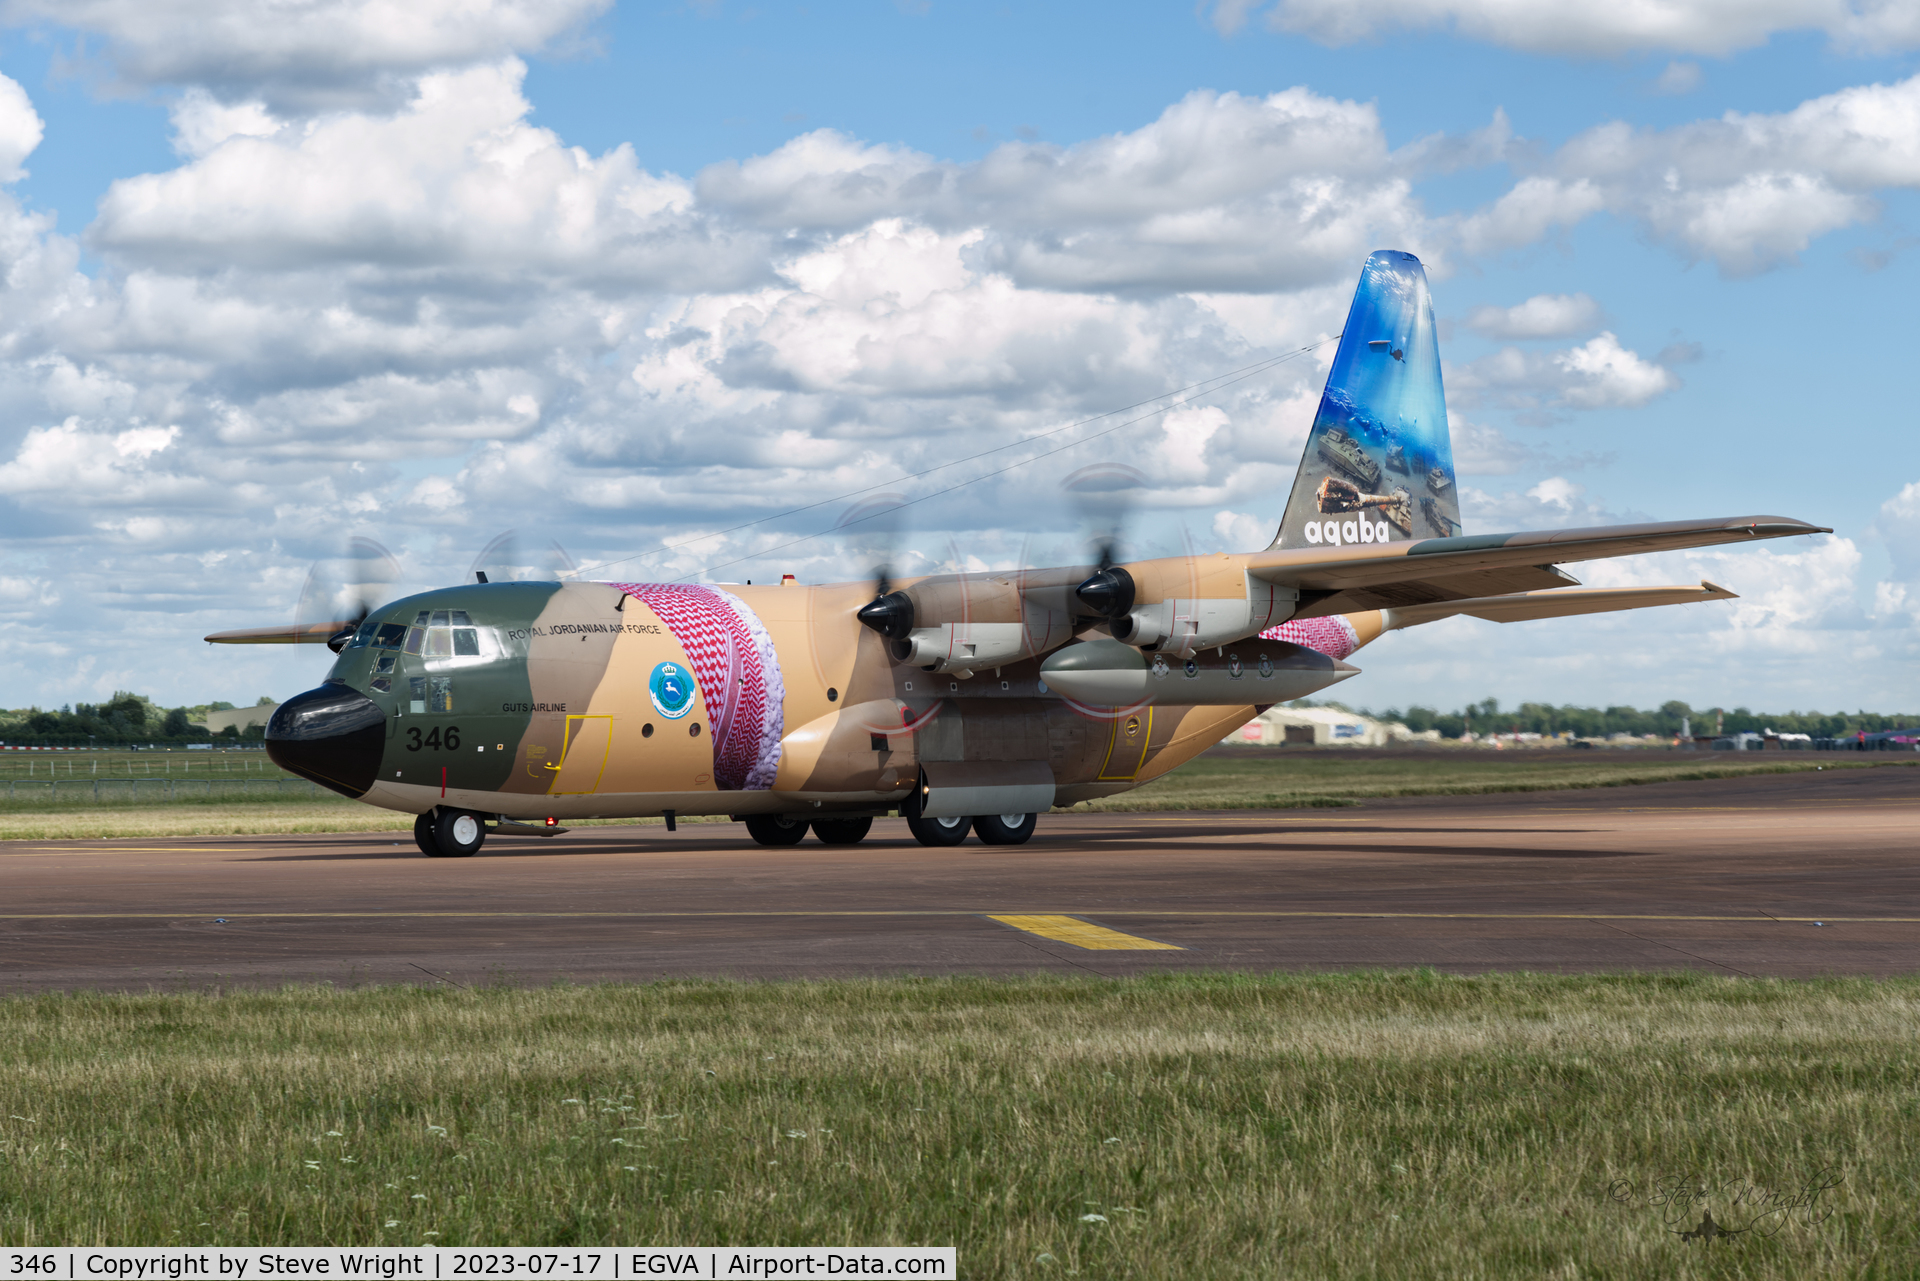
{"x":1333,"y":636}
{"x":739,"y":674}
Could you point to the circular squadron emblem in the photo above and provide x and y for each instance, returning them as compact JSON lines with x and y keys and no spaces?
{"x":1266,"y":668}
{"x":671,"y":688}
{"x":1192,"y":669}
{"x":1234,"y":670}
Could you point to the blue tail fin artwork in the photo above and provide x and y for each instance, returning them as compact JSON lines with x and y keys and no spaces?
{"x":1378,"y":466}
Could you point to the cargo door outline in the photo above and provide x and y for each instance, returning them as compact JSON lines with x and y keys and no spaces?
{"x":1123,"y":763}
{"x":583,"y":756}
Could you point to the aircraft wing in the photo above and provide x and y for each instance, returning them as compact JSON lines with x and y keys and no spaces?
{"x":1345,"y":580}
{"x":1562,"y":602}
{"x":285,"y":634}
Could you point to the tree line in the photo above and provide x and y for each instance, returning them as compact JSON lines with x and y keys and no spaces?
{"x":1488,"y":717}
{"x":124,"y":719}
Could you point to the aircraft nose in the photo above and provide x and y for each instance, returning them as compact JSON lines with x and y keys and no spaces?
{"x":334,"y":735}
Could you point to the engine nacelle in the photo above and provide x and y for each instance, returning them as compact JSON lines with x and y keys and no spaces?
{"x":962,"y":623}
{"x":964,"y":648}
{"x":1184,"y":625}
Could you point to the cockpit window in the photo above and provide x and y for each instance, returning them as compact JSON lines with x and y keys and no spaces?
{"x":390,"y":636}
{"x":466,"y":640}
{"x":414,"y":636}
{"x":460,"y":618}
{"x":439,"y":618}
{"x":365,"y":634}
{"x":439,"y":642}
{"x":420,"y":619}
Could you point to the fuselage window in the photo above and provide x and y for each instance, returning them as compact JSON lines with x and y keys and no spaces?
{"x":417,"y":695}
{"x":440,"y":693}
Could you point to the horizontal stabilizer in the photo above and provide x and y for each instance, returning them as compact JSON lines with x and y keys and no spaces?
{"x":1346,"y":580}
{"x":285,"y":634}
{"x":1561,"y":602}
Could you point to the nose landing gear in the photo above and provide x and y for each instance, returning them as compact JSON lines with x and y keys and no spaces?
{"x":449,"y":833}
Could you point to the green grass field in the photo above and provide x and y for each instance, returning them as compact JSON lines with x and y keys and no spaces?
{"x":206,"y":801}
{"x":1238,"y":778}
{"x":1393,"y":1126}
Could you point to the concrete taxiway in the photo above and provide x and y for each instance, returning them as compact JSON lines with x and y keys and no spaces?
{"x":1794,"y":875}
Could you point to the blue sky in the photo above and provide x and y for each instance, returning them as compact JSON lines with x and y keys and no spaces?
{"x":621,"y":274}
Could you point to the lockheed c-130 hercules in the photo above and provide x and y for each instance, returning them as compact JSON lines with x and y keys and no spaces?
{"x":964,"y":702}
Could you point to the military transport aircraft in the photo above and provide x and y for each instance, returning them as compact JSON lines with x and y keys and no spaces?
{"x":964,"y":702}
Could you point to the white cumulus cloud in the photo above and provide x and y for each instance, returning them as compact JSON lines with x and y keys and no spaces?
{"x":1541,"y":316}
{"x":1714,"y":27}
{"x":304,"y":55}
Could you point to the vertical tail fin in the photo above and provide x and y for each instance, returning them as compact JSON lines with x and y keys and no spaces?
{"x":1379,"y":460}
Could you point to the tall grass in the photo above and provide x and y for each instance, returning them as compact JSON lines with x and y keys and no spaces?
{"x":1375,"y":1125}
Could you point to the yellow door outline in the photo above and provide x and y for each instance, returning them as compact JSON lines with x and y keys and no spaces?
{"x":1120,"y":749}
{"x":582,"y":732}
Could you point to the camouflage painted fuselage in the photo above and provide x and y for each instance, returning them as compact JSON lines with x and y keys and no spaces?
{"x":551,"y":714}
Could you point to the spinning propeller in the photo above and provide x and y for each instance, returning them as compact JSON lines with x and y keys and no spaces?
{"x":512,"y":558}
{"x":340,"y":591}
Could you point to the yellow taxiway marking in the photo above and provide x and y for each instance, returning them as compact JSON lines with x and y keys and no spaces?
{"x":1360,"y":913}
{"x":1095,"y":938}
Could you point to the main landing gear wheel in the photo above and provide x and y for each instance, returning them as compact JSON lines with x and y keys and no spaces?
{"x":939,"y":831}
{"x":423,"y":835}
{"x":776,"y":829}
{"x":842,"y":831}
{"x":1004,"y":829}
{"x":457,"y":834}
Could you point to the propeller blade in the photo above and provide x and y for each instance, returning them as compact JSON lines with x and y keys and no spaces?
{"x":512,"y":557}
{"x":1105,"y":495}
{"x":872,"y":529}
{"x":340,"y":591}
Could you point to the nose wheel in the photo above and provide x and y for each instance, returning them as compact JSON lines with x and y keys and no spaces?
{"x":449,"y":833}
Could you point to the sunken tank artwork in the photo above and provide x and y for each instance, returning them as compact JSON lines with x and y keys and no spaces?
{"x":1383,"y":410}
{"x":1344,"y":452}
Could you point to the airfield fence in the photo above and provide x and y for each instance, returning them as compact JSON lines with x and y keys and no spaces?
{"x":123,"y":791}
